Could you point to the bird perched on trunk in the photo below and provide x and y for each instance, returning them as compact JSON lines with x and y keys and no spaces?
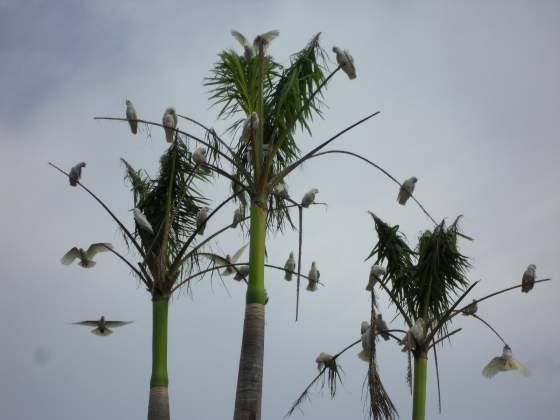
{"x":504,"y":363}
{"x":131,"y":116}
{"x":241,"y":273}
{"x":309,"y":197}
{"x":169,"y":122}
{"x":406,"y":190}
{"x":470,"y":309}
{"x":141,"y":220}
{"x":76,"y":173}
{"x":289,"y":267}
{"x":381,"y":327}
{"x":261,"y":41}
{"x":199,"y":156}
{"x":216,"y":259}
{"x":85,"y":257}
{"x":102,"y":325}
{"x":323,"y":360}
{"x":375,"y":275}
{"x":408,"y":342}
{"x":238,"y":215}
{"x":528,"y":280}
{"x":418,"y":330}
{"x":201,"y":217}
{"x":346,"y":62}
{"x":280,"y":190}
{"x":313,"y":277}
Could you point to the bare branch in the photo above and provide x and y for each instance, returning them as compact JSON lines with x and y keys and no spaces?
{"x":444,"y":337}
{"x":146,"y":281}
{"x":489,"y":326}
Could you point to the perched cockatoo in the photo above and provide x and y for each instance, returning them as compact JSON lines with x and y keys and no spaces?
{"x":381,"y":326}
{"x":141,"y":220}
{"x":406,"y":190}
{"x":131,"y":116}
{"x":408,"y":342}
{"x":504,"y":363}
{"x":365,"y":354}
{"x":238,"y":215}
{"x":241,"y":273}
{"x":418,"y":330}
{"x":528,"y":280}
{"x":261,"y":41}
{"x":289,"y":267}
{"x":86,"y":257}
{"x":227,"y":260}
{"x":281,"y":190}
{"x":364,"y":326}
{"x":248,"y":49}
{"x":309,"y":197}
{"x":375,"y":275}
{"x":102,"y":325}
{"x":313,"y":277}
{"x":470,"y":309}
{"x":345,"y":61}
{"x":239,"y":192}
{"x":199,"y":156}
{"x":169,"y":122}
{"x":76,"y":173}
{"x":324,"y":359}
{"x":201,"y":217}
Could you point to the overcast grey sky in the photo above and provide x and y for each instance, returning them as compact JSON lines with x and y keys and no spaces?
{"x":469,"y":95}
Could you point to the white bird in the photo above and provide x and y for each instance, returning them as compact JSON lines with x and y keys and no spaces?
{"x":289,"y":267}
{"x":280,"y":190}
{"x":241,"y":273}
{"x":131,"y":116}
{"x":248,"y":49}
{"x":323,"y":360}
{"x":470,"y":309}
{"x":76,"y":173}
{"x":309,"y":197}
{"x":365,"y":354}
{"x":102,"y":325}
{"x":345,"y":61}
{"x":364,"y":326}
{"x":201,"y":217}
{"x":504,"y":363}
{"x":238,"y":215}
{"x":86,"y":257}
{"x":169,"y":122}
{"x":406,"y":190}
{"x":418,"y":330}
{"x":227,"y":260}
{"x":261,"y":41}
{"x":313,"y":278}
{"x":408,"y":342}
{"x":381,"y":327}
{"x":199,"y":156}
{"x":375,"y":275}
{"x":141,"y":220}
{"x":528,"y":280}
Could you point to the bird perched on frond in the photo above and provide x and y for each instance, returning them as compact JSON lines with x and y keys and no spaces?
{"x":280,"y":190}
{"x":218,"y":260}
{"x":346,"y":62}
{"x":418,"y":330}
{"x":289,"y":267}
{"x":406,"y":190}
{"x":365,"y":354}
{"x":381,"y":327}
{"x":504,"y":363}
{"x":470,"y":309}
{"x":261,"y":41}
{"x":199,"y":156}
{"x":309,"y":197}
{"x":238,"y":215}
{"x":169,"y":122}
{"x":201,"y":217}
{"x":102,"y":325}
{"x":313,"y":278}
{"x":131,"y":116}
{"x":324,"y":359}
{"x":76,"y":173}
{"x":141,"y":220}
{"x":241,"y":273}
{"x":375,"y":275}
{"x":85,"y":257}
{"x":528,"y":280}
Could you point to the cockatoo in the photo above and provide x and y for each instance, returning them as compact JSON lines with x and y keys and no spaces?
{"x":324,"y":359}
{"x":375,"y":275}
{"x":289,"y":267}
{"x":309,"y":197}
{"x":408,"y":342}
{"x":102,"y":325}
{"x":365,"y":354}
{"x":86,"y":257}
{"x":406,"y":190}
{"x":76,"y":173}
{"x":241,"y":273}
{"x":470,"y":309}
{"x":199,"y":156}
{"x":418,"y":330}
{"x":250,"y":126}
{"x":141,"y":220}
{"x":261,"y":41}
{"x":346,"y":62}
{"x":201,"y":217}
{"x":364,"y":326}
{"x":238,"y":215}
{"x":131,"y":116}
{"x":528,"y":280}
{"x":381,"y":326}
{"x":504,"y":363}
{"x":169,"y":122}
{"x":227,"y":260}
{"x":281,"y":190}
{"x":313,"y":278}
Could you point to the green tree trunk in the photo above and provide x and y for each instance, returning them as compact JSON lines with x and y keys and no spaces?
{"x":158,"y":406}
{"x":420,"y":378}
{"x":249,"y":381}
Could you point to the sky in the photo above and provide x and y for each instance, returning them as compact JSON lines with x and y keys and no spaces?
{"x":469,"y":96}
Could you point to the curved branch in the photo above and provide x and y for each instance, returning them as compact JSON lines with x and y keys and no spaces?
{"x":444,"y":337}
{"x":146,"y":281}
{"x":491,"y":328}
{"x":397,"y":304}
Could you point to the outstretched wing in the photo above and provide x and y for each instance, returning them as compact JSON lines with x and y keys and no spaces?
{"x":87,"y":323}
{"x":515,"y":364}
{"x":114,"y":324}
{"x":240,"y":38}
{"x":98,"y":247}
{"x":497,"y":364}
{"x":70,"y":256}
{"x":269,"y":36}
{"x":236,"y":256}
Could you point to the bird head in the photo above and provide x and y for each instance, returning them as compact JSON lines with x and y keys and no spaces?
{"x":170,"y":110}
{"x":128,"y":102}
{"x":102,"y":318}
{"x":291,"y":255}
{"x":414,"y":179}
{"x":507,"y":353}
{"x":336,"y":50}
{"x":532,"y":267}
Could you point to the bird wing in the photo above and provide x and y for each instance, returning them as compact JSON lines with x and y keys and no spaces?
{"x":114,"y":324}
{"x":497,"y":364}
{"x":236,"y":256}
{"x":98,"y":247}
{"x":527,"y":277}
{"x":270,"y":35}
{"x":87,"y":323}
{"x":515,"y":364}
{"x":240,"y":38}
{"x":70,"y":256}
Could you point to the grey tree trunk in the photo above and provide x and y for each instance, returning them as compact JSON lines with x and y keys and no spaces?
{"x":158,"y":406}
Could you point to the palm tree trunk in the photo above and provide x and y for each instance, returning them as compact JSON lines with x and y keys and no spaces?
{"x":158,"y":406}
{"x":420,"y":379}
{"x":249,"y":381}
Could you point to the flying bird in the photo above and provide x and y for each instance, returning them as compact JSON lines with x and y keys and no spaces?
{"x":406,"y":190}
{"x":346,"y":62}
{"x":131,"y":116}
{"x":504,"y":363}
{"x":470,"y":309}
{"x":76,"y":173}
{"x":289,"y":267}
{"x":169,"y":121}
{"x":313,"y":278}
{"x":241,"y":273}
{"x":309,"y":197}
{"x":528,"y":280}
{"x":375,"y":275}
{"x":238,"y":215}
{"x":226,"y":261}
{"x":324,"y":359}
{"x":381,"y":326}
{"x":201,"y":217}
{"x":102,"y":325}
{"x":199,"y":156}
{"x":85,"y":257}
{"x":141,"y":220}
{"x":261,"y":41}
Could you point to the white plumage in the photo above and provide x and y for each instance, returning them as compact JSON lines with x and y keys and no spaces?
{"x":131,"y":116}
{"x":238,"y":215}
{"x":241,"y":273}
{"x":375,"y":275}
{"x":418,"y":330}
{"x":289,"y":267}
{"x":250,"y":126}
{"x":261,"y":41}
{"x":365,"y":354}
{"x":406,"y":190}
{"x":281,"y":190}
{"x":528,"y":280}
{"x":199,"y":156}
{"x":201,"y":217}
{"x":345,"y":61}
{"x":313,"y":277}
{"x":309,"y":197}
{"x":85,"y":257}
{"x":381,"y":327}
{"x":324,"y":359}
{"x":76,"y":173}
{"x":471,"y":309}
{"x":169,"y":122}
{"x":364,"y":326}
{"x":141,"y":220}
{"x":504,"y":363}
